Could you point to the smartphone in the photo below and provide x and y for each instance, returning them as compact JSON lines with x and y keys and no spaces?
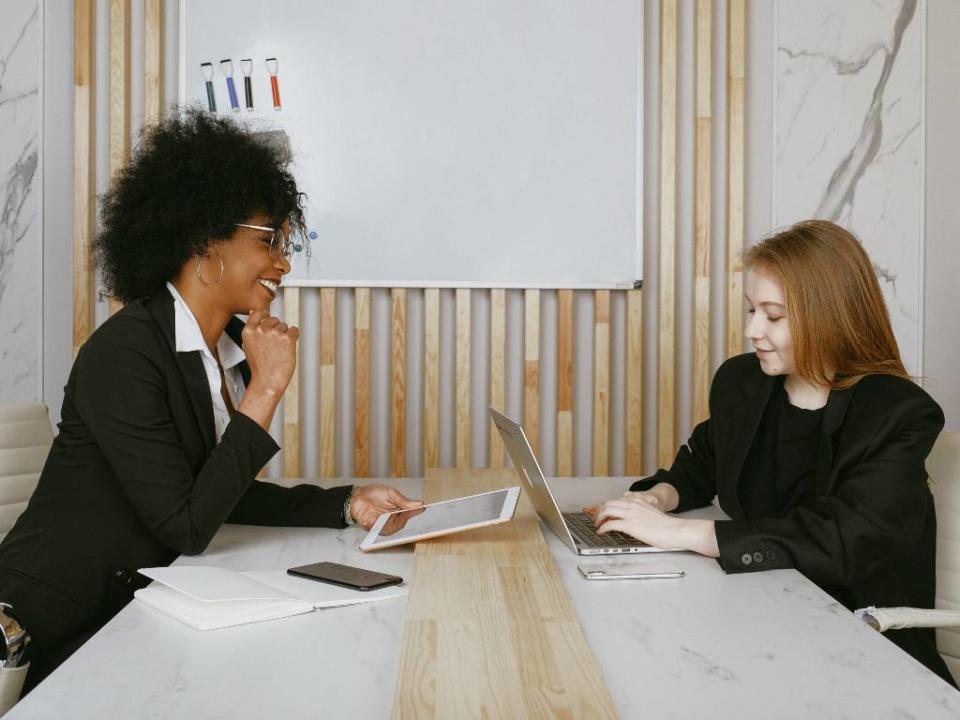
{"x":629,"y":571}
{"x":345,"y":576}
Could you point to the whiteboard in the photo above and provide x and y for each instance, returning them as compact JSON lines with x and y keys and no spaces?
{"x":445,"y":143}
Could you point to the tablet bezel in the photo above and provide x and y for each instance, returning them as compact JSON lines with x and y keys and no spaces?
{"x":507,"y":511}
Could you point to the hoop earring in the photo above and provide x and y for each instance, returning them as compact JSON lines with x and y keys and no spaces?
{"x":200,"y":276}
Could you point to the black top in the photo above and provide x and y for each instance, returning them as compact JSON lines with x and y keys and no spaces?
{"x":867,"y":535}
{"x":780,"y":470}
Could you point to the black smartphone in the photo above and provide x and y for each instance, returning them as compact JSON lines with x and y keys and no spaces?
{"x":345,"y":576}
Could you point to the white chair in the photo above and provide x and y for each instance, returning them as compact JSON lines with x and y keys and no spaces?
{"x":25,"y":439}
{"x":943,"y":466}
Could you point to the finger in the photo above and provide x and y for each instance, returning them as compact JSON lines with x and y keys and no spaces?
{"x":613,"y":526}
{"x":293,"y":333}
{"x":282,"y":327}
{"x":590,"y":510}
{"x":253,"y":320}
{"x":269,"y":322}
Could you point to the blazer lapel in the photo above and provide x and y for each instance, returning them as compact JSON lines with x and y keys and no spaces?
{"x":734,"y":441}
{"x":191,"y":368}
{"x":833,"y":415}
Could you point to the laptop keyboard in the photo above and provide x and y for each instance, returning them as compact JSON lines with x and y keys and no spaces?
{"x":584,"y":532}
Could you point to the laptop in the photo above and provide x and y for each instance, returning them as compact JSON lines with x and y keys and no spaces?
{"x":575,"y":529}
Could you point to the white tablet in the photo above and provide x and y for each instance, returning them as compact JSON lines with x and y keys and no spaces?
{"x":442,"y":518}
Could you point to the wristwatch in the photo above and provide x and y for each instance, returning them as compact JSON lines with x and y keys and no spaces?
{"x":16,"y":640}
{"x":347,"y":517}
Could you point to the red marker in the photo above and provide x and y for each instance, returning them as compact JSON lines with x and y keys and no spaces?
{"x":273,"y":68}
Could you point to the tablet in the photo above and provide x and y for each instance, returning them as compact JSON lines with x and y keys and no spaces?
{"x":442,"y":518}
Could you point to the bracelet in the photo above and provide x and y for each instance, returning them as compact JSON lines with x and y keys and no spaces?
{"x":347,"y":517}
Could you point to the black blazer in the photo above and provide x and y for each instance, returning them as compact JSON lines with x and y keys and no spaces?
{"x":868,"y":537}
{"x":135,"y":478}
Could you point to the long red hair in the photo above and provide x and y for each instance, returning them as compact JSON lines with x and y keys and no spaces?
{"x":838,"y":319}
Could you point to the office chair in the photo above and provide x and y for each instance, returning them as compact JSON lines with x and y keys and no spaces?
{"x":943,"y":466}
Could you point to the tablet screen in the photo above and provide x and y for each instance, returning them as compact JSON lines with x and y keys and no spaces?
{"x":442,"y":517}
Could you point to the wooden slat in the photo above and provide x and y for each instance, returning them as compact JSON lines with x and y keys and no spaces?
{"x":398,"y":383}
{"x":152,"y":60}
{"x":601,"y":382}
{"x":489,"y":630}
{"x":565,"y":382}
{"x":498,"y":339}
{"x":736,"y":83}
{"x":119,"y":93}
{"x":531,"y":367}
{"x":701,"y":215}
{"x":431,"y":377}
{"x":633,"y":411}
{"x":666,"y":396}
{"x":463,"y":378}
{"x":328,"y":382}
{"x":291,"y":398}
{"x":83,"y":182}
{"x":361,"y":383}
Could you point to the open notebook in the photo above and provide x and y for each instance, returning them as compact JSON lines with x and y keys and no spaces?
{"x":207,"y":598}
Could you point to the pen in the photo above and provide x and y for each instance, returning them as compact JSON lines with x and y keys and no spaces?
{"x":207,"y":70}
{"x":246,"y":67}
{"x":227,"y":67}
{"x":273,"y":68}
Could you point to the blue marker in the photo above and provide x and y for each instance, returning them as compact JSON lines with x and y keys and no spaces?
{"x":227,"y":67}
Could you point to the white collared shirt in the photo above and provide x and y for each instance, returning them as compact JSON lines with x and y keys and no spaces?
{"x":189,"y":338}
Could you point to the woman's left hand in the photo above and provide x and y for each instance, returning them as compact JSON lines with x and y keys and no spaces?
{"x":370,"y":502}
{"x":655,"y":527}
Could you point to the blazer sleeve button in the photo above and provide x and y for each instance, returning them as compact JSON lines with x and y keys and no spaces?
{"x":746,"y":558}
{"x":758,"y":557}
{"x":122,"y":577}
{"x":771,"y":555}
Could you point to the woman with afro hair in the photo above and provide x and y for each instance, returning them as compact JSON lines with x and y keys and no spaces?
{"x":166,"y":410}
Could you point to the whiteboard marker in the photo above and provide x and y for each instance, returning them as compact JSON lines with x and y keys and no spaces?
{"x":273,"y":68}
{"x":207,"y":70}
{"x":227,"y":67}
{"x":246,"y":67}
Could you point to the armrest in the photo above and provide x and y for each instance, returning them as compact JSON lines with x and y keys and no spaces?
{"x":884,"y":619}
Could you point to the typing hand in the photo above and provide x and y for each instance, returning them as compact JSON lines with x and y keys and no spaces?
{"x":370,"y":502}
{"x":645,"y":497}
{"x":641,"y":519}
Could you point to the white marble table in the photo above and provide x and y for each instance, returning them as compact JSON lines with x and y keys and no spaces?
{"x":762,"y":645}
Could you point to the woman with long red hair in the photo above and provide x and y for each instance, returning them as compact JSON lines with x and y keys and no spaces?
{"x":816,"y":441}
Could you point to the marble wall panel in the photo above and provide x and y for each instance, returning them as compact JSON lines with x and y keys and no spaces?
{"x":21,"y":269}
{"x":848,"y":136}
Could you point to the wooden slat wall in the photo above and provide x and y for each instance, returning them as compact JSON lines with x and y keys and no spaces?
{"x":703,"y":121}
{"x":600,"y":412}
{"x":291,"y":398}
{"x":328,"y":382}
{"x":119,"y":92}
{"x":666,"y":391}
{"x":83,"y":171}
{"x":601,"y":381}
{"x":463,"y":378}
{"x":565,"y":382}
{"x":498,"y":360}
{"x":736,"y":118}
{"x":361,"y":383}
{"x":398,"y":383}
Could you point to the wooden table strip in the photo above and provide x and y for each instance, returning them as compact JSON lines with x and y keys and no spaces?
{"x":489,"y":630}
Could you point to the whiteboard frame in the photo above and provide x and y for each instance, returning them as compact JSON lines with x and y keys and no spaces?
{"x":571,"y":285}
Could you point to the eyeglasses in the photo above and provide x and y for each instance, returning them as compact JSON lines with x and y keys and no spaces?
{"x":280,"y":246}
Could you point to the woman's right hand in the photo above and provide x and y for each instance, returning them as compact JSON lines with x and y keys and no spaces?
{"x":662,"y":496}
{"x":270,"y":346}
